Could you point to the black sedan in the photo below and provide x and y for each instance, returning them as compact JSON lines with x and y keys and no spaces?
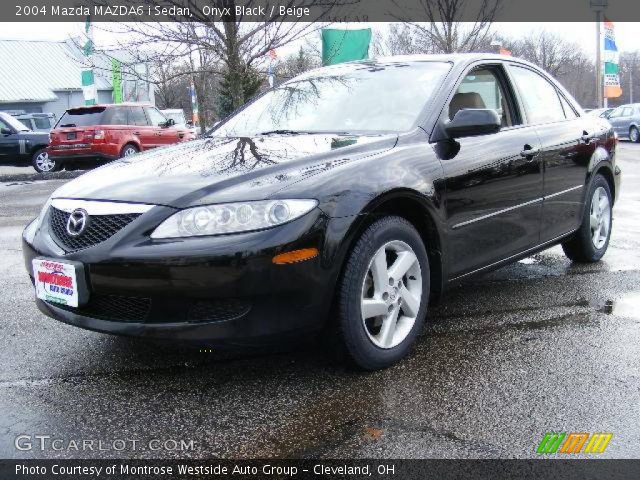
{"x":339,"y":203}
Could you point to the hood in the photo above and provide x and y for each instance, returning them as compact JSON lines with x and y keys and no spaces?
{"x":220,"y":169}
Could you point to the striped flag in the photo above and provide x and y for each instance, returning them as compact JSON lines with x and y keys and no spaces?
{"x":611,"y":62}
{"x":89,"y":91}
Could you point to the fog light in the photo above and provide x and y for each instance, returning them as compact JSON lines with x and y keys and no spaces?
{"x":295,"y":256}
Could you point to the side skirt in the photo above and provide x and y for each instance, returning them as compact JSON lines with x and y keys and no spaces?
{"x":514,"y":258}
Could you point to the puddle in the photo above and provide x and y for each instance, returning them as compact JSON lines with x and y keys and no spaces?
{"x":628,"y":306}
{"x":529,"y":261}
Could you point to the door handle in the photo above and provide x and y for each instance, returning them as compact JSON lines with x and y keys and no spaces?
{"x":529,"y":152}
{"x":586,"y":138}
{"x":136,"y":133}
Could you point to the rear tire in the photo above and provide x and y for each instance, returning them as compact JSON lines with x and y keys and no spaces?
{"x":383,"y":294}
{"x":591,"y":241}
{"x":43,"y":163}
{"x":128,"y":150}
{"x":634,"y":134}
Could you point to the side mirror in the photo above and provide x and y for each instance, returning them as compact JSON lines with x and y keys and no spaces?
{"x":189,"y":123}
{"x":170,"y":122}
{"x":470,"y":122}
{"x":5,"y":131}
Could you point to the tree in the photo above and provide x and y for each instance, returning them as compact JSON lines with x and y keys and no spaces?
{"x":296,"y":64}
{"x":629,"y":78}
{"x":563,"y":59}
{"x":445,"y":32}
{"x":400,"y":39}
{"x":234,"y":48}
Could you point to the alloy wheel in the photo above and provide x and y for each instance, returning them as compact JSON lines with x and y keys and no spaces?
{"x":634,"y":135}
{"x":391,"y":294}
{"x":44,"y":163}
{"x":129,"y":151}
{"x":600,"y":218}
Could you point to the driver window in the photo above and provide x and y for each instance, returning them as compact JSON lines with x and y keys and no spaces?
{"x":482,"y":89}
{"x":616,"y":113}
{"x":155,"y":117}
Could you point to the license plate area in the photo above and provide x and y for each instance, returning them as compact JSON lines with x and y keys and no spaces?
{"x":60,"y":282}
{"x":72,"y":136}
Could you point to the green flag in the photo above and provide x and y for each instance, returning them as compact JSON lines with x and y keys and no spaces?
{"x":88,"y":82}
{"x":344,"y":45}
{"x":116,"y":80}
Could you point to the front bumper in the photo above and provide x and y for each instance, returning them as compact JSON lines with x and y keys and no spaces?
{"x":210,"y":290}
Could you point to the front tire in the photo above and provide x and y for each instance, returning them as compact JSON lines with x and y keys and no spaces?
{"x":43,"y":163}
{"x":634,"y":134}
{"x":591,"y":241}
{"x":383,"y":295}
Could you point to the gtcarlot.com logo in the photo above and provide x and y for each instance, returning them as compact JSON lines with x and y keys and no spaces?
{"x":27,"y":443}
{"x":561,"y":442}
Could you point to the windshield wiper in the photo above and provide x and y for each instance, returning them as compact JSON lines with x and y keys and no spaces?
{"x":68,"y":125}
{"x":282,"y":132}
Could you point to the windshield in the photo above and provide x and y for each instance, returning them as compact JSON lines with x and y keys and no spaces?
{"x":13,"y":122}
{"x":358,"y":97}
{"x":81,"y":117}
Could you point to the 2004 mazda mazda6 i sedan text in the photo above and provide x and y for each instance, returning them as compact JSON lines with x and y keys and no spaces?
{"x":339,"y":202}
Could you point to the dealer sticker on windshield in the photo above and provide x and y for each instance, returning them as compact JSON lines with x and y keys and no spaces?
{"x":56,"y":282}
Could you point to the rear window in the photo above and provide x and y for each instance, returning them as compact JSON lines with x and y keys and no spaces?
{"x":81,"y":117}
{"x":42,"y":122}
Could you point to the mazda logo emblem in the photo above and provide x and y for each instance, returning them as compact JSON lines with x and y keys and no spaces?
{"x":78,"y":222}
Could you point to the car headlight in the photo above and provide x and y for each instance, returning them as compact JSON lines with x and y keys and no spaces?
{"x":232,"y":218}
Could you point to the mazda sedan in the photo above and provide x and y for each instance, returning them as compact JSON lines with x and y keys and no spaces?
{"x":339,"y":203}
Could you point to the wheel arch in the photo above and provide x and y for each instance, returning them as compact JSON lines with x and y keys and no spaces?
{"x":601,"y":163}
{"x":36,"y":147}
{"x":417,"y":210}
{"x":131,"y":141}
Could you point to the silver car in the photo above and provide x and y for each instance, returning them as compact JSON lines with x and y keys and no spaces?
{"x":626,"y":121}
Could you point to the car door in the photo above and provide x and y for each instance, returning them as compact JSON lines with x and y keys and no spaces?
{"x":493,"y":182}
{"x":158,"y":122}
{"x":140,"y":128}
{"x":568,"y":142}
{"x":10,"y":145}
{"x":620,"y":119}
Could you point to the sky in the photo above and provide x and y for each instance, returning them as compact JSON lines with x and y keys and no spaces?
{"x":583,"y":34}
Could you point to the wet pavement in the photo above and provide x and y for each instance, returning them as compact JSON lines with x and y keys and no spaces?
{"x":541,"y":345}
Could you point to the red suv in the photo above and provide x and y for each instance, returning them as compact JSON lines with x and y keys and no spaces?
{"x":100,"y":133}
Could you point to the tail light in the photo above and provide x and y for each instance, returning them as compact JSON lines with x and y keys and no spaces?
{"x":98,"y":135}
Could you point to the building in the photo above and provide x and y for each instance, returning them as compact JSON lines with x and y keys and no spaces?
{"x":43,"y":76}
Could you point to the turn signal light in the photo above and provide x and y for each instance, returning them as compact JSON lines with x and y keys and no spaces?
{"x":295,"y":256}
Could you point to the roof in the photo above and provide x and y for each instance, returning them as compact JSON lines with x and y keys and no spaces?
{"x":110,"y":105}
{"x":453,"y":58}
{"x":31,"y":71}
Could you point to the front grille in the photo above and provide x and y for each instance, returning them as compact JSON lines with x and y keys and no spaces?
{"x":114,"y":308}
{"x":218,"y":310}
{"x":100,"y":228}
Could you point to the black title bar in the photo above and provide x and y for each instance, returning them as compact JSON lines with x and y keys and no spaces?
{"x":315,"y":10}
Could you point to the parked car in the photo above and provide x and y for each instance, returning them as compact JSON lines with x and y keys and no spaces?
{"x":178,"y":116}
{"x":340,"y":202}
{"x":21,"y":146}
{"x":101,"y":133}
{"x":600,"y":112}
{"x":38,"y":122}
{"x":626,"y":121}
